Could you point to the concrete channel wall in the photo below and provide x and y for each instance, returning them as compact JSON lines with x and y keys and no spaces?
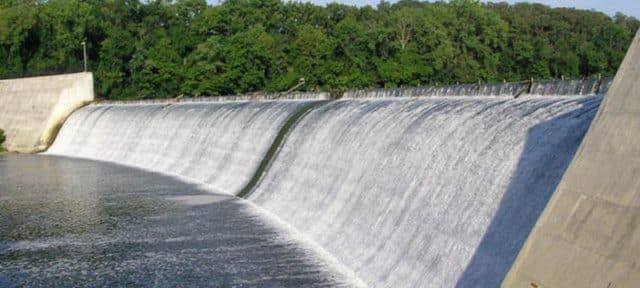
{"x":589,"y":233}
{"x":33,"y":109}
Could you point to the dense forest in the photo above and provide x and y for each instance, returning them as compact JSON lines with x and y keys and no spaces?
{"x":152,"y":49}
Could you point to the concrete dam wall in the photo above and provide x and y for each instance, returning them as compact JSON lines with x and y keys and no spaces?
{"x":32,"y":109}
{"x":589,"y":234}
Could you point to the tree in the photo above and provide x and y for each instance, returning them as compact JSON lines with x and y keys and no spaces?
{"x":162,"y":48}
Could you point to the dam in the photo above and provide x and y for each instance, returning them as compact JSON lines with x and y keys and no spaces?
{"x":33,"y":109}
{"x":461,"y":186}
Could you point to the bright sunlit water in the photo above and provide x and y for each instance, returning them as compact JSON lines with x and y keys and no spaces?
{"x":428,"y":192}
{"x":405,"y":192}
{"x":217,"y":143}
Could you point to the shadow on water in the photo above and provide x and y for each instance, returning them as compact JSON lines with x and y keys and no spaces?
{"x":544,"y":159}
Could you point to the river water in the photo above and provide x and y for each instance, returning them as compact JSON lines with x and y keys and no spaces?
{"x":77,"y":223}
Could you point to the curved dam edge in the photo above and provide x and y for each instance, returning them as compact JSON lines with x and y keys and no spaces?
{"x":589,"y":233}
{"x":275,"y":146}
{"x":32,"y":110}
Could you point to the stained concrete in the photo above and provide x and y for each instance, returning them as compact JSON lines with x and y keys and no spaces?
{"x":32,"y":109}
{"x":589,"y":233}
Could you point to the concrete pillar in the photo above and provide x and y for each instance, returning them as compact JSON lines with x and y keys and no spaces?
{"x":589,"y":233}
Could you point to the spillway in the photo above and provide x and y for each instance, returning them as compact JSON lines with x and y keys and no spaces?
{"x":220,"y":144}
{"x":425,"y":192}
{"x":405,"y":192}
{"x":584,"y":87}
{"x":568,"y":87}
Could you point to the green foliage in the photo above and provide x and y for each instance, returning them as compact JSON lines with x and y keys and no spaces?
{"x":162,"y":48}
{"x":2,"y":139}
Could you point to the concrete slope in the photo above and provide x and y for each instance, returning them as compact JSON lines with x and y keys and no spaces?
{"x":589,"y":234}
{"x":32,"y":109}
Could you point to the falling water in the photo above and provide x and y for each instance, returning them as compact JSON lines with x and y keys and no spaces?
{"x":605,"y":85}
{"x":233,"y":98}
{"x":406,"y":192}
{"x":499,"y":89}
{"x":565,"y":87}
{"x":426,"y":192}
{"x":217,"y":143}
{"x":547,"y":88}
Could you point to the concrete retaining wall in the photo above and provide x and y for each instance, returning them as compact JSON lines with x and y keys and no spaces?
{"x":589,"y":233}
{"x":32,"y":109}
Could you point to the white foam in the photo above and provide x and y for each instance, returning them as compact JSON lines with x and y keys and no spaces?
{"x":429,"y":192}
{"x":219,"y":144}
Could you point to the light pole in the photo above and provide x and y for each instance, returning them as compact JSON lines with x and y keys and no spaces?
{"x":84,"y":53}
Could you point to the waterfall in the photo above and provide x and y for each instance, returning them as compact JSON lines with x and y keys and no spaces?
{"x":546,"y":87}
{"x":217,"y":143}
{"x":499,"y":89}
{"x":565,"y":87}
{"x":406,"y":192}
{"x":605,"y":85}
{"x":425,"y":192}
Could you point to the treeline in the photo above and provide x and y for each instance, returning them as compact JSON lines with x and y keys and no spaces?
{"x":153,"y":49}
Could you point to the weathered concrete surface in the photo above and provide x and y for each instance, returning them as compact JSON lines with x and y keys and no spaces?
{"x":32,"y":109}
{"x":589,"y":234}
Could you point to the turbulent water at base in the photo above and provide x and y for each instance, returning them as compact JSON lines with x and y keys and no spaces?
{"x":427,"y":192}
{"x":217,"y":143}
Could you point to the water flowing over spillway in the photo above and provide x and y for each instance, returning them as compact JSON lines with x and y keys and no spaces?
{"x":406,"y":192}
{"x":216,"y":143}
{"x":585,"y":87}
{"x":569,"y":87}
{"x":499,"y":89}
{"x":427,"y":192}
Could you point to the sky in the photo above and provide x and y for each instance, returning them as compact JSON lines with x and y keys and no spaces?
{"x":628,"y":7}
